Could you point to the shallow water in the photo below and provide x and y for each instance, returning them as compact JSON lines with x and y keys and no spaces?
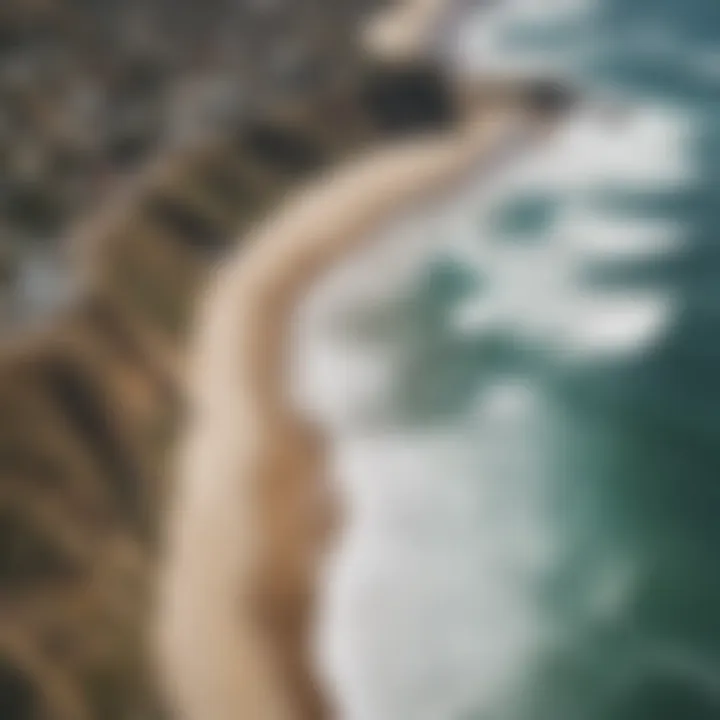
{"x":535,"y":537}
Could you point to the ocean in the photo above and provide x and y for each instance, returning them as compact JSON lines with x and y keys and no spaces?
{"x":534,"y":505}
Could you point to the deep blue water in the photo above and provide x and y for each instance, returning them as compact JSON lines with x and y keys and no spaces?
{"x":656,"y":493}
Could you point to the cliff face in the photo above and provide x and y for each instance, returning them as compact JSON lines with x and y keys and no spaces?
{"x":90,"y":90}
{"x":89,"y":93}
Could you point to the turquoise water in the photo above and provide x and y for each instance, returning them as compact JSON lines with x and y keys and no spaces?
{"x":538,"y":539}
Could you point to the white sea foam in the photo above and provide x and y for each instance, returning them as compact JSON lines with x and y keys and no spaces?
{"x":430,"y":612}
